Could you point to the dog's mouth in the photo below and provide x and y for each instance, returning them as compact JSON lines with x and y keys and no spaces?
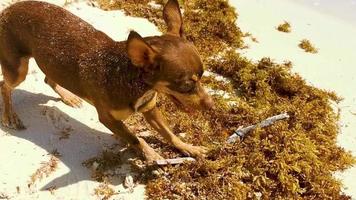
{"x":176,"y":101}
{"x":180,"y":105}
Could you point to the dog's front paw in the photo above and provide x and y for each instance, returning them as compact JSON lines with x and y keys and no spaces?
{"x":69,"y":98}
{"x":190,"y":150}
{"x":12,"y":121}
{"x":148,"y":152}
{"x":72,"y":100}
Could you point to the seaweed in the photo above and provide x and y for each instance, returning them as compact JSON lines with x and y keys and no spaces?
{"x":100,"y":165}
{"x":307,"y":46}
{"x":46,"y":168}
{"x":222,"y":32}
{"x":292,"y":159}
{"x":248,"y":34}
{"x":51,"y":189}
{"x":285,"y":27}
{"x":4,"y":196}
{"x":104,"y":191}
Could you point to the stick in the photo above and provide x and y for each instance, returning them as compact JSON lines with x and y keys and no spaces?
{"x":174,"y":161}
{"x":241,"y":132}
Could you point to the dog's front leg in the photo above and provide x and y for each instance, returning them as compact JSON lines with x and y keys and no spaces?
{"x":155,"y":118}
{"x":120,"y":130}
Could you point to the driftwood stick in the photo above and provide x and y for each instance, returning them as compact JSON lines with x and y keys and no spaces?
{"x":174,"y":161}
{"x":241,"y":132}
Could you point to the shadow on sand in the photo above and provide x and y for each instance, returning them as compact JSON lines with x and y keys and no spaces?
{"x":83,"y":142}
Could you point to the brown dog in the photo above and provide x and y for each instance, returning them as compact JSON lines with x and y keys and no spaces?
{"x":118,"y":78}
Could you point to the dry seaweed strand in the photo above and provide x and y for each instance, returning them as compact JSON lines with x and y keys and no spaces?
{"x":51,"y":189}
{"x":104,"y":191}
{"x":46,"y":168}
{"x":307,"y":46}
{"x":100,"y":167}
{"x":292,"y":159}
{"x":101,"y":164}
{"x":248,"y":34}
{"x":285,"y":27}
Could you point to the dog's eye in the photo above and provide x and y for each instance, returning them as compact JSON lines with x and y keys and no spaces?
{"x":187,"y":86}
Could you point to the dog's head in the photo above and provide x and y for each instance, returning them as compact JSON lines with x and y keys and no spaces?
{"x":175,"y":62}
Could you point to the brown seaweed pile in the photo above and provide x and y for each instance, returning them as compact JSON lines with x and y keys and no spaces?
{"x":206,"y":32}
{"x":292,"y":159}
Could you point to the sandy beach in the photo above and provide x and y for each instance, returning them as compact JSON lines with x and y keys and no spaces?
{"x":76,"y":134}
{"x":332,"y":68}
{"x":47,"y":118}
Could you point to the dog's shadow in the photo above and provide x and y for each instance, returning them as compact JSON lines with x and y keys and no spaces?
{"x":44,"y":126}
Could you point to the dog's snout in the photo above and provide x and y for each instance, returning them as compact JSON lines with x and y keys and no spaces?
{"x":208,"y":103}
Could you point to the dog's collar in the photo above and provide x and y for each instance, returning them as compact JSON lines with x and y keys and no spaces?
{"x":146,"y":102}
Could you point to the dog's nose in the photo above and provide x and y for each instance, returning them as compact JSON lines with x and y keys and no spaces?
{"x":208,"y":103}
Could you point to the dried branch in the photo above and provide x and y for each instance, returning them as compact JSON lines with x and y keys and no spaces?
{"x":174,"y":161}
{"x":241,"y":132}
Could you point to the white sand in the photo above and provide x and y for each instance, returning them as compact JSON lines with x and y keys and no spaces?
{"x":45,"y":116}
{"x":333,"y":68}
{"x":21,"y":152}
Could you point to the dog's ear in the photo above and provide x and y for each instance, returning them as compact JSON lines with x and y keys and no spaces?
{"x":173,"y":18}
{"x":140,"y":53}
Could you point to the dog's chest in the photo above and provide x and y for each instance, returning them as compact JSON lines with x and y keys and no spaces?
{"x":143,"y":104}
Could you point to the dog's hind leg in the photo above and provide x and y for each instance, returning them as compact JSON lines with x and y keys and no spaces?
{"x":14,"y":73}
{"x":66,"y":96}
